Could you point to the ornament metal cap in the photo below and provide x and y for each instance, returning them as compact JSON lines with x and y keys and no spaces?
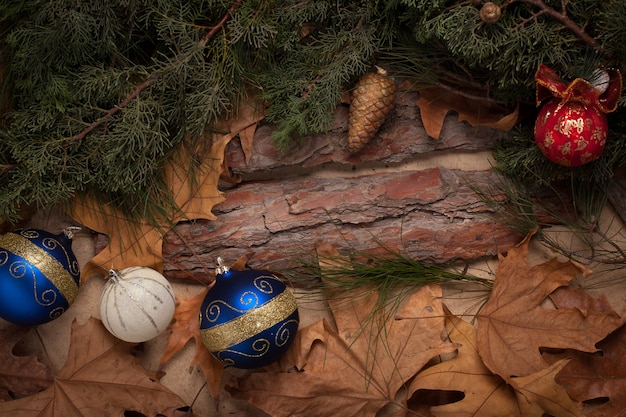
{"x":114,"y":275}
{"x":220,"y":267}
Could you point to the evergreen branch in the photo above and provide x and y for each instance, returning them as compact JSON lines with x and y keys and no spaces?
{"x":153,"y":78}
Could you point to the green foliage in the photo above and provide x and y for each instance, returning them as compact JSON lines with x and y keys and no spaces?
{"x":102,"y":93}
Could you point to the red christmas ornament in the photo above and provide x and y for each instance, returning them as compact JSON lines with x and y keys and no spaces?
{"x":571,"y":127}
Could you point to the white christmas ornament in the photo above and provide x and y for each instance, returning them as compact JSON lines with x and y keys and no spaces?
{"x":136,"y":304}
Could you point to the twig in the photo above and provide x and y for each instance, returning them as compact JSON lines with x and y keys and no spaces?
{"x":565,"y":20}
{"x":7,"y":167}
{"x":153,"y":78}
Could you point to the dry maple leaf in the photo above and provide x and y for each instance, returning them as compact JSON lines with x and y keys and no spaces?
{"x":19,"y":375}
{"x":513,"y":326}
{"x":597,"y":377}
{"x":100,"y":378}
{"x":357,"y":369}
{"x":186,"y":326}
{"x":435,"y":103}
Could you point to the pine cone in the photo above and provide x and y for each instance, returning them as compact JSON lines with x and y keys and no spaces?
{"x":372,"y":102}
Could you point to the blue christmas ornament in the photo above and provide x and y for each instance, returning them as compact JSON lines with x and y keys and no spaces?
{"x":39,"y":276}
{"x":248,"y":318}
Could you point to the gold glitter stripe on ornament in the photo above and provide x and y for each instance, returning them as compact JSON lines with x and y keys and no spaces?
{"x":255,"y":321}
{"x":49,"y":267}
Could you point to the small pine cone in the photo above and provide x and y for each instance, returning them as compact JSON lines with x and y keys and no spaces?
{"x":372,"y":102}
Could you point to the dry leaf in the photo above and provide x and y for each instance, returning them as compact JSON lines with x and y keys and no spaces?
{"x":435,"y":103}
{"x":539,"y":394}
{"x":19,"y":375}
{"x":581,"y":300}
{"x":186,"y":327}
{"x":100,"y":378}
{"x":130,"y":243}
{"x":248,"y":116}
{"x":512,"y":326}
{"x":595,"y":377}
{"x":485,"y":394}
{"x":140,"y":243}
{"x":357,"y":369}
{"x":197,"y":197}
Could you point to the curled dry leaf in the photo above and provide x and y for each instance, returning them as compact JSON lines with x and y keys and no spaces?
{"x":513,"y":326}
{"x":435,"y":103}
{"x":358,"y":368}
{"x":244,"y":124}
{"x":100,"y":377}
{"x":19,"y":375}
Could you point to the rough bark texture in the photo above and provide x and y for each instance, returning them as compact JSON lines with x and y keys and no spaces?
{"x":431,"y":215}
{"x":286,"y":202}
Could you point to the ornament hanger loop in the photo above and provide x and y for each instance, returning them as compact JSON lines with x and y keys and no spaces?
{"x":70,"y":231}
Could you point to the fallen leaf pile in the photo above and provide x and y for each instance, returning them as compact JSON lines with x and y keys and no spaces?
{"x":354,"y":369}
{"x":500,"y":367}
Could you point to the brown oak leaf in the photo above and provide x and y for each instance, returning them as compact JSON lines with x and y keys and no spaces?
{"x":19,"y":375}
{"x":435,"y":103}
{"x":186,"y":327}
{"x":358,"y":368}
{"x":538,"y":394}
{"x":513,"y":326}
{"x":100,"y":378}
{"x":485,"y":394}
{"x":594,"y":377}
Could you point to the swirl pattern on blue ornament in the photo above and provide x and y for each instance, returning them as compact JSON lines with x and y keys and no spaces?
{"x":264,"y":348}
{"x":232,"y":297}
{"x":39,"y":276}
